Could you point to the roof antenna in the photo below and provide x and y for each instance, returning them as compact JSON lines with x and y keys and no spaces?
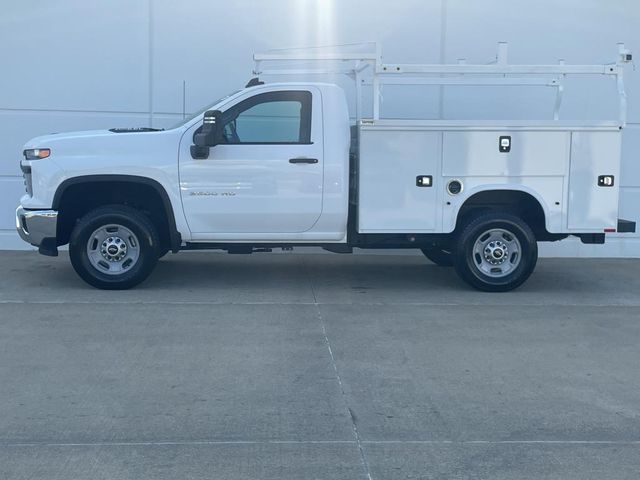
{"x":254,"y":82}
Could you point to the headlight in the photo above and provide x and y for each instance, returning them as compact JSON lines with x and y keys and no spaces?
{"x":36,"y":153}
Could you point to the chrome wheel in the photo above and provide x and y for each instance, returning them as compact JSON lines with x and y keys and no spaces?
{"x":497,"y":253}
{"x":113,"y":249}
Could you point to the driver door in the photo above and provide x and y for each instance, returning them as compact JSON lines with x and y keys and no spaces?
{"x":267,"y":175}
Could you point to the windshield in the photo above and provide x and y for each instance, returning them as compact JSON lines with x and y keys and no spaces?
{"x":201,"y":111}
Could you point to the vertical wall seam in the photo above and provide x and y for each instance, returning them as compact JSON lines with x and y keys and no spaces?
{"x":150,"y":61}
{"x":443,"y":43}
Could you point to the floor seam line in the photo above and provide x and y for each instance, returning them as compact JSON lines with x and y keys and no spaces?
{"x":504,"y":442}
{"x":352,"y":417}
{"x":354,"y":426}
{"x":322,"y":442}
{"x":178,"y":443}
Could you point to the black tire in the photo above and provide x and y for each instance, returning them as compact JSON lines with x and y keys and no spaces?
{"x":439,"y":256}
{"x":469,"y":263}
{"x":136,"y":222}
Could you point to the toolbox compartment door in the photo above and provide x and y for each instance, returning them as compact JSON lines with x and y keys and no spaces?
{"x":389,"y":198}
{"x":531,"y":153}
{"x":593,"y":207}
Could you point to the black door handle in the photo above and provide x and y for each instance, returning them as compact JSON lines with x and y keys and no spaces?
{"x":303,"y":160}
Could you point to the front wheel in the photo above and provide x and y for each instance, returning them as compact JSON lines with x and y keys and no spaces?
{"x":114,"y":247}
{"x":496,"y":252}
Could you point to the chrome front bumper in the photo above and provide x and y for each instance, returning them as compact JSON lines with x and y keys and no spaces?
{"x":38,"y":227}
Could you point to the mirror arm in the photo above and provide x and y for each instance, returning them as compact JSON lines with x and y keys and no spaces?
{"x":199,"y":152}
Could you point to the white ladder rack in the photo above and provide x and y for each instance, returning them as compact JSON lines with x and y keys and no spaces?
{"x":367,"y":68}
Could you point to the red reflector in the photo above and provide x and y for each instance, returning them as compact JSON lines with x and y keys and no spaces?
{"x":610,"y":230}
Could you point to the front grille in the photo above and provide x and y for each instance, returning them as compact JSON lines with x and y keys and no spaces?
{"x":28,"y":185}
{"x":26,"y":175}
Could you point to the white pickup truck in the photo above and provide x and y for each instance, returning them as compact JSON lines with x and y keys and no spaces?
{"x":282,"y":165}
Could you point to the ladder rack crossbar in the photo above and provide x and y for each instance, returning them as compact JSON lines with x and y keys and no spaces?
{"x":494,"y":69}
{"x":496,"y":81}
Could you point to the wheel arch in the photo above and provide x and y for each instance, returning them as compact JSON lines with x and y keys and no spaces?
{"x":101,"y":180}
{"x":519,"y":200}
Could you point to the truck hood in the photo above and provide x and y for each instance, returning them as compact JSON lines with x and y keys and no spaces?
{"x":108,"y":150}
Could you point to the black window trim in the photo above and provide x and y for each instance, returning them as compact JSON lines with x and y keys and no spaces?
{"x":305,"y":97}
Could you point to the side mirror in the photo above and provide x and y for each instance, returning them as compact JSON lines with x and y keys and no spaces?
{"x":211,"y":133}
{"x":209,"y":136}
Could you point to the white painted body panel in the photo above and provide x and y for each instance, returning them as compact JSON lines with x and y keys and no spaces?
{"x":557,"y":163}
{"x":389,"y":200}
{"x":590,"y":207}
{"x":475,"y":153}
{"x":251,"y":189}
{"x":150,"y":155}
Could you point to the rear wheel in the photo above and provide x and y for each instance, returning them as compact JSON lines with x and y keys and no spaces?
{"x":114,"y":247}
{"x":439,"y":256}
{"x":496,"y":252}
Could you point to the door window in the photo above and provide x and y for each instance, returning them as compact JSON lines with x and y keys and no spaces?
{"x":270,"y":118}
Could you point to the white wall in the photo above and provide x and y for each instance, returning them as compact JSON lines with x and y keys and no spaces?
{"x":74,"y":64}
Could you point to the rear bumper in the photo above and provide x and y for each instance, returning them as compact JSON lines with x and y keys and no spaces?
{"x":38,"y":228}
{"x":624,"y":226}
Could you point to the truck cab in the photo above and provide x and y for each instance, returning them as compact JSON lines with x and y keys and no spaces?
{"x":278,"y":172}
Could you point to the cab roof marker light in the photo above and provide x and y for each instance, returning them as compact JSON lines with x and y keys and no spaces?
{"x":36,"y":153}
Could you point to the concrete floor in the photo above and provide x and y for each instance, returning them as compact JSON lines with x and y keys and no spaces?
{"x":319,"y":367}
